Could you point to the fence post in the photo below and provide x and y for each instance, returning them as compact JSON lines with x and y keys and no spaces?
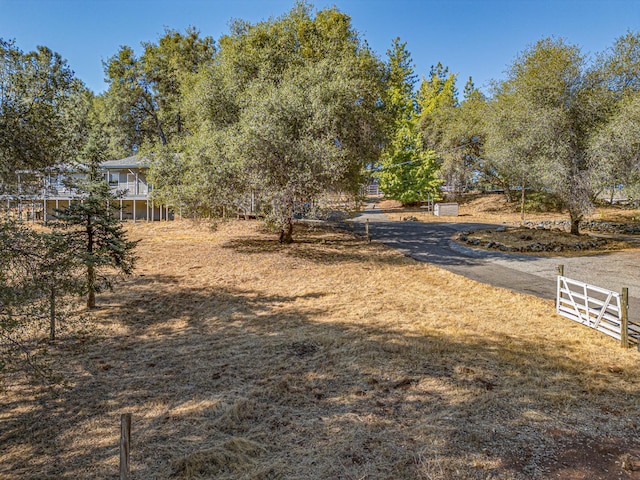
{"x":125,"y":442}
{"x":366,"y":227}
{"x":561,"y":274}
{"x":624,"y":319}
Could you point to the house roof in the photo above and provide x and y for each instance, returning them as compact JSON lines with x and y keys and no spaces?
{"x":130,"y":162}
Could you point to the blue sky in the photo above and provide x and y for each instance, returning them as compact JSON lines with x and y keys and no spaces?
{"x":477,"y":38}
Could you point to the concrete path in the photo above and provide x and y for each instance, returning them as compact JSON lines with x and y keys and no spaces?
{"x":431,"y":243}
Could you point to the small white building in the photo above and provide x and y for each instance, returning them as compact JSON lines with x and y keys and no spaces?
{"x":445,"y":209}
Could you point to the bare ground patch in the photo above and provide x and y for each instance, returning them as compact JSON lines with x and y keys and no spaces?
{"x":541,"y":242}
{"x":332,"y":358}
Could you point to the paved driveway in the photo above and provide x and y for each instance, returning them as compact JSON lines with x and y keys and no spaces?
{"x":431,"y":243}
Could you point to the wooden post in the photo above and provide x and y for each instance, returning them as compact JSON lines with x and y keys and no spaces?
{"x":125,"y":443}
{"x":561,"y":274}
{"x":366,"y":228}
{"x":624,"y":318}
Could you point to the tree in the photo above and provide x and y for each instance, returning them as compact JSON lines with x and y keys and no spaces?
{"x":300,"y":117}
{"x":437,"y":98}
{"x":37,"y":276}
{"x":544,"y":115}
{"x":408,"y":172}
{"x":615,"y":149}
{"x":461,"y":142}
{"x":619,"y":66}
{"x":40,"y":109}
{"x":144,"y":99}
{"x":513,"y":143}
{"x":94,"y":236}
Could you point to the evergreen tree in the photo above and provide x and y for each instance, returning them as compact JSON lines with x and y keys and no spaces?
{"x":94,"y":235}
{"x":408,"y":171}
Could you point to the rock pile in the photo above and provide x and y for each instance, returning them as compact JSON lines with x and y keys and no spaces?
{"x":586,"y":244}
{"x":591,"y":225}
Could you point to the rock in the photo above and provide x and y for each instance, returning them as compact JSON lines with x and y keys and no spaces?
{"x":501,"y":229}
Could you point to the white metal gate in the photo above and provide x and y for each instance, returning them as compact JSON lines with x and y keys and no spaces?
{"x":592,"y":306}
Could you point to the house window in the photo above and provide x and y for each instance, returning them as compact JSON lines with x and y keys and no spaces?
{"x":113,"y":178}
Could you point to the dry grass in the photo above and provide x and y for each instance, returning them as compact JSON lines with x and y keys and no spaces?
{"x":493,"y":208}
{"x":328,"y":359}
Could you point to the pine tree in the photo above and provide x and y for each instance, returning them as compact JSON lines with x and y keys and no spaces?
{"x":408,"y":171}
{"x":94,"y":235}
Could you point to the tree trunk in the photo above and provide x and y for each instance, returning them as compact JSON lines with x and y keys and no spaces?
{"x":91,"y":287}
{"x":522,"y":203}
{"x":575,"y":225}
{"x":286,"y":232}
{"x":52,"y":313}
{"x":91,"y":272}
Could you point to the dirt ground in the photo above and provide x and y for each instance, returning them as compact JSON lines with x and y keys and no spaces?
{"x":332,"y":358}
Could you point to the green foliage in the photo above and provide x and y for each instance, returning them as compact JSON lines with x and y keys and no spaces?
{"x":94,"y":237}
{"x":615,"y":149}
{"x":437,"y":98}
{"x":37,"y":276}
{"x":408,"y":171}
{"x":541,"y":201}
{"x":43,"y":107}
{"x":619,"y":67}
{"x":143,"y":104}
{"x":289,"y":110}
{"x":542,"y":120}
{"x":400,"y":99}
{"x":461,"y":141}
